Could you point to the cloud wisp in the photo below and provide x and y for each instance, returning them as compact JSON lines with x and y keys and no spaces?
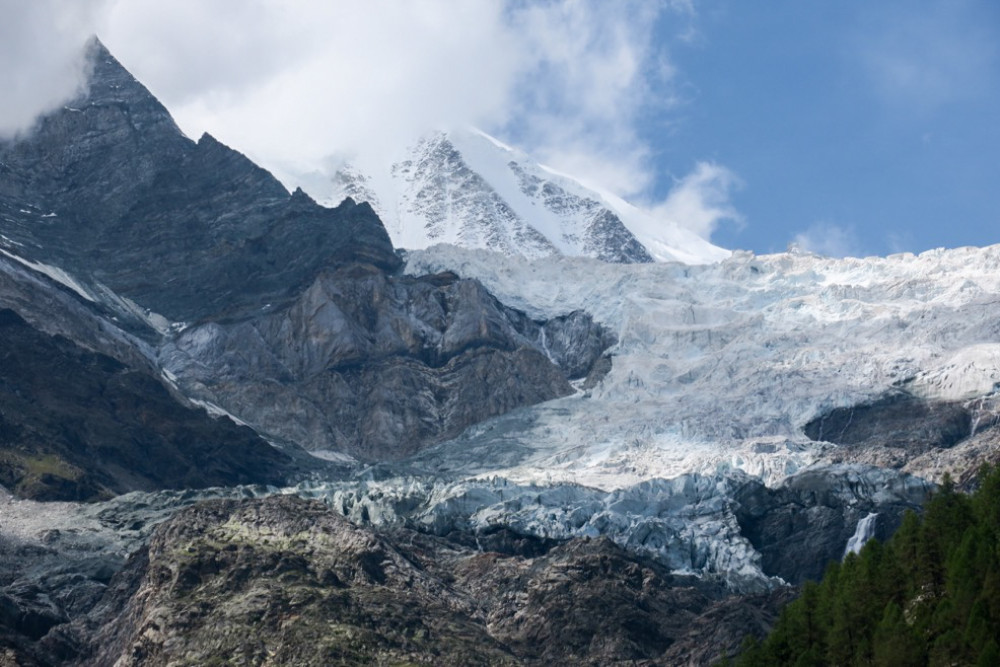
{"x":42,"y":43}
{"x":700,"y":201}
{"x":829,"y":240}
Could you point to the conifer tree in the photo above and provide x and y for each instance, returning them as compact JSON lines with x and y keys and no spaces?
{"x":930,"y":596}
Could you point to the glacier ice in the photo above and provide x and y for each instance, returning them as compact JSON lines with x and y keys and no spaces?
{"x":718,"y":367}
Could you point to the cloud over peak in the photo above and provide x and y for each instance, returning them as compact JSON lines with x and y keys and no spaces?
{"x":42,"y":45}
{"x":299,"y":84}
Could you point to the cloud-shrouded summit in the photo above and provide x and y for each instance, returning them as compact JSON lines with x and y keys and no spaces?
{"x":305,"y":86}
{"x":41,"y":56}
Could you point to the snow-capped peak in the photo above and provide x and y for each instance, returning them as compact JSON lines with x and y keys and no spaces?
{"x":469,"y":189}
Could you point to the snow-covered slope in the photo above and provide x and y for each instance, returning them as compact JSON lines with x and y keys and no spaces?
{"x":470,"y":190}
{"x":721,"y":366}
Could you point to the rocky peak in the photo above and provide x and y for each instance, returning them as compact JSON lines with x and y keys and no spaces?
{"x":111,"y":191}
{"x":110,"y":84}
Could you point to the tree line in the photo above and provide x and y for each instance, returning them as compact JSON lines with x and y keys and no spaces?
{"x":928,"y":596}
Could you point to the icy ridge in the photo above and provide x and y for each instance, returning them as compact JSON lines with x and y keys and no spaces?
{"x":466,"y":188}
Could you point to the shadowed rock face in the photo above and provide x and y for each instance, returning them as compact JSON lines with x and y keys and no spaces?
{"x":79,"y":425}
{"x":380,"y":366}
{"x":291,"y":582}
{"x":801,"y":526}
{"x":897,"y":420}
{"x":110,"y":190}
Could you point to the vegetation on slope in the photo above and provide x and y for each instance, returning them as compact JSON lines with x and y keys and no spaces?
{"x":929,"y":596}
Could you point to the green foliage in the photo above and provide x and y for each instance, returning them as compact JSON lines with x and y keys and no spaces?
{"x":930,"y":596}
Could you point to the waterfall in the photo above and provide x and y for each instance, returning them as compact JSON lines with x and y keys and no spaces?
{"x":864,"y":532}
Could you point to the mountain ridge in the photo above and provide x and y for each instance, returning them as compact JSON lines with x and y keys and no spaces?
{"x":466,"y":188}
{"x":98,"y":184}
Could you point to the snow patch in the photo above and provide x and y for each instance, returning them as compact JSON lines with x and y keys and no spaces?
{"x":53,"y":272}
{"x":157,"y":322}
{"x":215,"y":411}
{"x":335,"y":457}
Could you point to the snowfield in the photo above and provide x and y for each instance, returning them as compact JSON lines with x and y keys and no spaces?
{"x":466,"y":188}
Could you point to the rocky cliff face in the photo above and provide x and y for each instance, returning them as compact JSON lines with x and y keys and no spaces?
{"x":380,"y":366}
{"x":801,"y":526}
{"x":78,"y":425}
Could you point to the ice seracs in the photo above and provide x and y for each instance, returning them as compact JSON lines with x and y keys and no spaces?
{"x":719,"y":367}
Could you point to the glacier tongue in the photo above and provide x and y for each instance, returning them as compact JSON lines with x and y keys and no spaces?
{"x":687,"y":523}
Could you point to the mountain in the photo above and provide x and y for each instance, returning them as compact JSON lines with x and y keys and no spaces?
{"x":468,"y":189}
{"x":285,"y":428}
{"x":107,"y":183}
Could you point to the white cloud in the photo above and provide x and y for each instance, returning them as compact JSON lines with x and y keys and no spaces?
{"x":700,"y":200}
{"x":829,"y":239}
{"x":41,"y":64}
{"x":299,"y":84}
{"x":592,"y":68}
{"x":293,"y":82}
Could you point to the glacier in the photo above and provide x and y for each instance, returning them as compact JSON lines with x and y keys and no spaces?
{"x":693,"y":449}
{"x":719,"y":367}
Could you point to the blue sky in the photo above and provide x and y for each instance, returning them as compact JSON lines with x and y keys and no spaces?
{"x":859,"y":127}
{"x":845,"y":126}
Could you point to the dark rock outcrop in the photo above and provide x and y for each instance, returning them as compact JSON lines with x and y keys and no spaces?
{"x":897,"y":420}
{"x":80,"y":425}
{"x":288,"y":581}
{"x":801,"y":526}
